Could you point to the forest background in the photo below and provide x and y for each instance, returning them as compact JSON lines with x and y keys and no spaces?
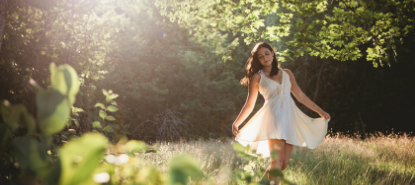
{"x":82,"y":80}
{"x":176,"y":64}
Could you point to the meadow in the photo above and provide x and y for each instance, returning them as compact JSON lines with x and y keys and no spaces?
{"x":379,"y":159}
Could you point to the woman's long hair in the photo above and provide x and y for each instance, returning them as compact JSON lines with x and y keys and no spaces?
{"x":253,"y":65}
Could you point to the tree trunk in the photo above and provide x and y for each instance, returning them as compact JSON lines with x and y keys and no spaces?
{"x":3,"y":16}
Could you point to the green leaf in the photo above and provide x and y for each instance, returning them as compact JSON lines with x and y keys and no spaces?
{"x":57,"y":79}
{"x":148,"y":175}
{"x":261,"y":182}
{"x":96,"y":124}
{"x":182,"y":167}
{"x":102,"y":114}
{"x":5,"y":110}
{"x":80,"y":157}
{"x":12,"y":114}
{"x":111,"y":97}
{"x":100,"y":105}
{"x":53,"y":111}
{"x":110,"y":118}
{"x":76,"y":109}
{"x":276,"y":173}
{"x":239,"y":148}
{"x":112,"y":108}
{"x":13,"y":120}
{"x":76,"y":122}
{"x":239,"y":19}
{"x":5,"y":135}
{"x":258,"y":23}
{"x":105,"y":92}
{"x":65,"y":80}
{"x":113,"y":103}
{"x":30,"y":122}
{"x":72,"y":82}
{"x":108,"y":129}
{"x":32,"y":156}
{"x":135,"y":146}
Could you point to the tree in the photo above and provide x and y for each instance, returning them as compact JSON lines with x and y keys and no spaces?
{"x":314,"y":36}
{"x":335,"y":29}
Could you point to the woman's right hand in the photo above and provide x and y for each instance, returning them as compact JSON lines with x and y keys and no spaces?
{"x":324,"y":114}
{"x":235,"y":129}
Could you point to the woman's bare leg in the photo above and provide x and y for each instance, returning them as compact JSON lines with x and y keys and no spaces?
{"x":278,"y":146}
{"x":288,"y":149}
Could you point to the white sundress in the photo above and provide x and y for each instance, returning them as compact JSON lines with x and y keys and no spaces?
{"x":280,"y":118}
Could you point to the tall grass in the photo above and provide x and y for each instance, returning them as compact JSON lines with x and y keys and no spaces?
{"x":338,"y":160}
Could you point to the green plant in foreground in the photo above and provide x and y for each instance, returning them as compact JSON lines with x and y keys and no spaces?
{"x":89,"y":159}
{"x":30,"y":152}
{"x":244,"y":176}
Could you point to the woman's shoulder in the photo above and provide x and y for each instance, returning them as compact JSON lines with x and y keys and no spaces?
{"x":290,"y":74}
{"x":256,"y":77}
{"x":287,"y":71}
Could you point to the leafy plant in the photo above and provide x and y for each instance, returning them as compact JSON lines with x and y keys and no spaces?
{"x":80,"y":160}
{"x":107,"y":125}
{"x":110,"y":106}
{"x":326,"y":29}
{"x":247,"y":174}
{"x":30,"y":150}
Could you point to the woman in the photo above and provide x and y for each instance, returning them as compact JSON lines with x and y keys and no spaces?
{"x":279,"y":124}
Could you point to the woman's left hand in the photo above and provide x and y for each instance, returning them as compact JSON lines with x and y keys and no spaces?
{"x":324,"y":114}
{"x":235,"y":129}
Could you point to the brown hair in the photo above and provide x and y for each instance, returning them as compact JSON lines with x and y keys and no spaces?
{"x":253,"y":65}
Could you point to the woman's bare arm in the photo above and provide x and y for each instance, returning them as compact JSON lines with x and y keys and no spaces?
{"x":249,"y":104}
{"x":301,"y":97}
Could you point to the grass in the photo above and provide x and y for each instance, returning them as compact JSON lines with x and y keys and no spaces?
{"x":338,"y":160}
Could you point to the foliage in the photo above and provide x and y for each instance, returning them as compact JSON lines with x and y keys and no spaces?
{"x":79,"y":161}
{"x":311,"y":38}
{"x":114,"y":131}
{"x":160,"y":69}
{"x":245,"y":176}
{"x":54,"y":106}
{"x":169,"y":55}
{"x":320,"y":28}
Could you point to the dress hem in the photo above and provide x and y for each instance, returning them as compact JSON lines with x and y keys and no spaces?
{"x":286,"y":141}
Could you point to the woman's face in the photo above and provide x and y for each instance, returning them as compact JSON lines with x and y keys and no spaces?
{"x":265,"y":56}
